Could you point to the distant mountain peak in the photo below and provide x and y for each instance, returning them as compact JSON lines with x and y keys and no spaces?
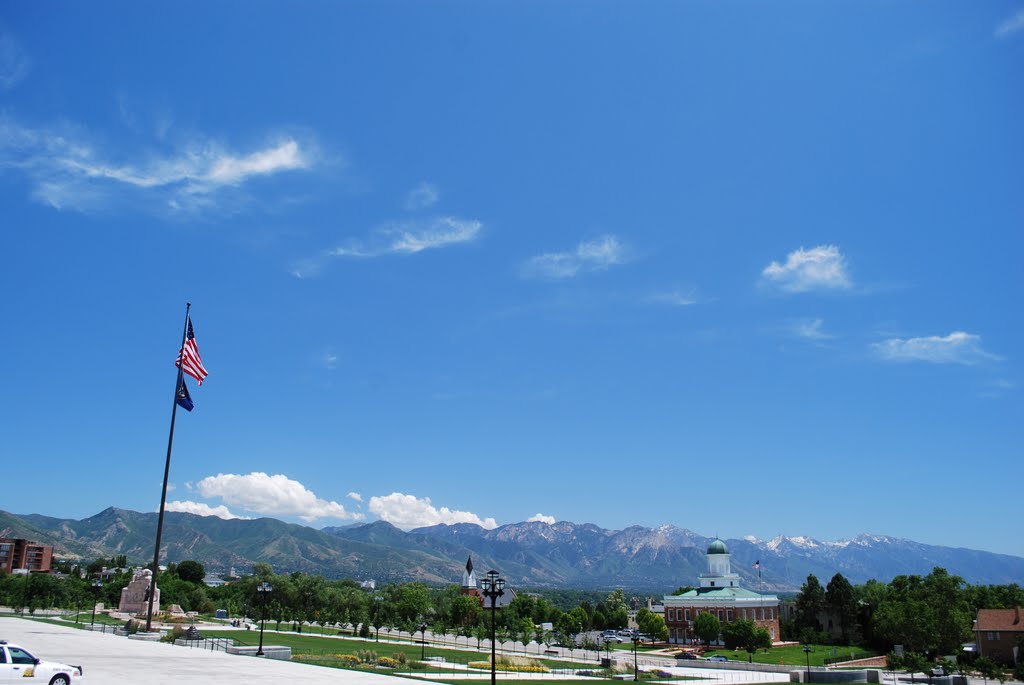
{"x":529,"y":553}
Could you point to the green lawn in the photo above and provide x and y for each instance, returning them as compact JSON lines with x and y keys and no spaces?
{"x":313,"y":644}
{"x":793,"y":655}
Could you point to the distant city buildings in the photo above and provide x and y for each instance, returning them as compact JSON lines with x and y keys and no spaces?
{"x":25,"y":556}
{"x":719,"y":594}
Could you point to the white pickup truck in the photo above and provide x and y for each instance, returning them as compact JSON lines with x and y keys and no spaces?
{"x":17,"y":664}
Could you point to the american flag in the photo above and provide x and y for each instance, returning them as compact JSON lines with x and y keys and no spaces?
{"x":757,"y":564}
{"x":192,"y":365}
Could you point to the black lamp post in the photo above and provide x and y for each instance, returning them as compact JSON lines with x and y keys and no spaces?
{"x":636,"y":670}
{"x":423,"y":640}
{"x":493,"y":587}
{"x":96,"y":586}
{"x":807,"y":653}
{"x":264,"y":589}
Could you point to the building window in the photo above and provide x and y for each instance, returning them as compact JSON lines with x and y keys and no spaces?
{"x":771,"y":615}
{"x":728,"y":615}
{"x":719,"y":614}
{"x":687,"y":614}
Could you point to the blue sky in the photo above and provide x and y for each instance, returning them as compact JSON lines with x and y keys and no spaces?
{"x":744,"y":268}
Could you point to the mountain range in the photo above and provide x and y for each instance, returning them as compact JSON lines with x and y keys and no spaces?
{"x":529,"y":554}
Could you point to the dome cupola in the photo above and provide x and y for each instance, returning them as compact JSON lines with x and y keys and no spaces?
{"x":717,"y":547}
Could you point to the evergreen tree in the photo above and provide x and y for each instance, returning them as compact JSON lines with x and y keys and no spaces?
{"x":809,"y":604}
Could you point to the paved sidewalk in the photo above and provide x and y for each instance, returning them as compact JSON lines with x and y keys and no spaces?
{"x":113,"y":660}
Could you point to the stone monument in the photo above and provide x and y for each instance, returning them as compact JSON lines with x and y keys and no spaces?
{"x":135,"y":597}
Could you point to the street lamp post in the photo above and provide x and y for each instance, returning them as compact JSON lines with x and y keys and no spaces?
{"x":423,"y":640}
{"x":493,"y":587}
{"x":264,"y":589}
{"x":636,"y":670}
{"x":807,"y":653}
{"x":96,"y":585}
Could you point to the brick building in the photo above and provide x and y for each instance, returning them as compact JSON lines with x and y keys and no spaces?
{"x":17,"y":554}
{"x":721,"y":595}
{"x":998,"y":634}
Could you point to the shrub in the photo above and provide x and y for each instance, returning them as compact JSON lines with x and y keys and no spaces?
{"x":364,"y":630}
{"x":400,"y":657}
{"x":173,"y":634}
{"x":516,"y":664}
{"x":387,"y":662}
{"x":367,"y":656}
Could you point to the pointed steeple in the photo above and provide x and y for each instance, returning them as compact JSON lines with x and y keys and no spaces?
{"x":469,"y":578}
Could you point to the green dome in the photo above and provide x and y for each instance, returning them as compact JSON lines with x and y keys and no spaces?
{"x":717,"y":547}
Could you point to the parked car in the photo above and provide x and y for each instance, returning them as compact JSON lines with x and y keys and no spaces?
{"x":717,"y":657}
{"x":686,"y":655}
{"x":16,"y":663}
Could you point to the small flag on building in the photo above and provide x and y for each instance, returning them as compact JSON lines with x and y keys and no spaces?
{"x":183,"y":399}
{"x":188,"y":357}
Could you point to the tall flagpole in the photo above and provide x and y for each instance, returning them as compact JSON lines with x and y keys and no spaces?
{"x":167,"y":470}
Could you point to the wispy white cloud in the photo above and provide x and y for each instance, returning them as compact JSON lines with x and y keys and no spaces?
{"x":1011,"y":25}
{"x":819,"y":268}
{"x":201,"y":509}
{"x":275,"y":495}
{"x":956,"y":348}
{"x":406,"y":238}
{"x":411,"y":237}
{"x":589,"y":255}
{"x":355,"y":496}
{"x":14,"y":63}
{"x":408,"y":512}
{"x":68,"y":170}
{"x":422,"y":196}
{"x":809,"y":329}
{"x":674,"y":298}
{"x":330,"y":360}
{"x":541,"y":518}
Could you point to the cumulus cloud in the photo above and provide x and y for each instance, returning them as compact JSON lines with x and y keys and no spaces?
{"x":14,"y":62}
{"x":408,"y":512}
{"x":422,"y":196}
{"x":956,"y":348}
{"x":68,"y":170}
{"x":355,"y":496}
{"x":589,"y":255}
{"x":819,"y":268}
{"x":541,"y":518}
{"x":1011,"y":25}
{"x":275,"y":495}
{"x":201,"y":509}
